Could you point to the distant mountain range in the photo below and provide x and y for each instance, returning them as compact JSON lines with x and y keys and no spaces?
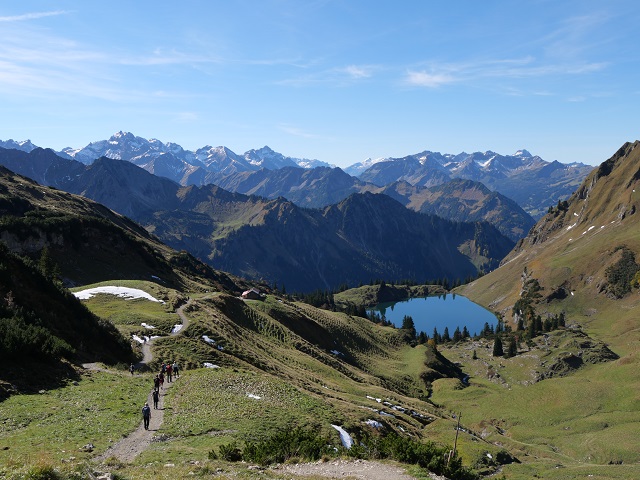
{"x":532,"y":182}
{"x":364,"y":237}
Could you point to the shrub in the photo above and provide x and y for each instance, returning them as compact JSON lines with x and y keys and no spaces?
{"x":43,"y":472}
{"x":621,"y":275}
{"x":230,"y":452}
{"x":286,"y":444}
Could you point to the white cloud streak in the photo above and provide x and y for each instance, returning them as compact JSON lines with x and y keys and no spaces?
{"x":297,"y":132}
{"x":466,"y":72}
{"x":32,"y":16}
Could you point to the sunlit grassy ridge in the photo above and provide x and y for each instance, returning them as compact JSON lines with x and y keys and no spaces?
{"x":589,"y":418}
{"x":53,"y":425}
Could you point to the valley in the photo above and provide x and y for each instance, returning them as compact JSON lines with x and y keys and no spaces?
{"x":262,"y":375}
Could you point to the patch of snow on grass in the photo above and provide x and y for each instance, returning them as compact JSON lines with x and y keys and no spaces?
{"x":336,"y":352}
{"x":345,"y":438}
{"x":147,"y":326}
{"x":209,"y":340}
{"x":124,"y":292}
{"x":373,"y":423}
{"x":590,"y":228}
{"x":209,"y":365}
{"x":176,"y":328}
{"x":251,"y":395}
{"x":138,"y":339}
{"x":379,"y":400}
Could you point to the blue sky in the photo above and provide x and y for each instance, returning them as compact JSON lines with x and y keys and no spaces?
{"x":338,"y":81}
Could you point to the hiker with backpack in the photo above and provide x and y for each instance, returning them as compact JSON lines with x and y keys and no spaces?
{"x":146,"y":415}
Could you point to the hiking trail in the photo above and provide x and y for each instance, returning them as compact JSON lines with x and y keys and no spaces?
{"x":128,"y":448}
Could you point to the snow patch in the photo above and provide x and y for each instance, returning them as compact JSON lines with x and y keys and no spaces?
{"x":374,"y":423}
{"x":208,"y":339}
{"x":209,"y":365}
{"x":251,"y":395}
{"x":379,"y":400}
{"x":124,"y":292}
{"x":177,"y":327}
{"x":345,"y":438}
{"x":590,"y":228}
{"x":336,"y":352}
{"x":138,"y":339}
{"x":147,"y":326}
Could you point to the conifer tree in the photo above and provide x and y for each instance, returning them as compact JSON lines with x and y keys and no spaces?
{"x":512,"y":349}
{"x":497,"y":347}
{"x":445,"y":335}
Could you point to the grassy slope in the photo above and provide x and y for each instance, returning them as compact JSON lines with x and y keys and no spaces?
{"x":590,"y":417}
{"x":277,"y":350}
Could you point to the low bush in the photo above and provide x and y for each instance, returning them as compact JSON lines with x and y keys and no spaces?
{"x":287,"y":444}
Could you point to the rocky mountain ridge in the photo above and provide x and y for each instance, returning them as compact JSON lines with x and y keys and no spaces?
{"x":532,"y":182}
{"x":276,"y":240}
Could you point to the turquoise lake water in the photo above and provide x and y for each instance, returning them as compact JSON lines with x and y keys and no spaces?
{"x":444,"y":311}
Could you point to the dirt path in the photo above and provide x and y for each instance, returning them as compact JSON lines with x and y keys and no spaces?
{"x":131,"y":446}
{"x":361,"y":469}
{"x":127,"y":449}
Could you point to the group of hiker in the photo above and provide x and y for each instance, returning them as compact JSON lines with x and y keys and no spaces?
{"x":167,"y":370}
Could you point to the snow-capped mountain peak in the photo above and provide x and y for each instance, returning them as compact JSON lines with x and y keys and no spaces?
{"x":523,"y":153}
{"x":23,"y":145}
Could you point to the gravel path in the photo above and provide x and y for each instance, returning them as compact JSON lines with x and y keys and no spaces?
{"x":358,"y":469}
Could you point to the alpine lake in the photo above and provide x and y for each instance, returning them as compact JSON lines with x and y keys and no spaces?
{"x":451,"y":311}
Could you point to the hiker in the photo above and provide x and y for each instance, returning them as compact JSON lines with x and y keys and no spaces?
{"x":156,"y":397}
{"x":156,"y":383}
{"x":132,"y":368}
{"x":175,"y":369}
{"x":163,"y":369}
{"x":161,"y":377}
{"x":169,"y":368}
{"x":146,"y":415}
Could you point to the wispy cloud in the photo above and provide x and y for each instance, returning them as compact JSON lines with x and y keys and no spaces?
{"x":428,"y":79}
{"x":298,"y":132}
{"x":356,"y":71}
{"x":338,"y":76}
{"x":437,"y":75}
{"x":32,"y":16}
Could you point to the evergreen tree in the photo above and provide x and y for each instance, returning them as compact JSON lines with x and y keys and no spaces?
{"x":445,"y":336}
{"x":486,"y":331}
{"x":407,"y":324}
{"x":465,"y":333}
{"x":512,"y":348}
{"x":497,"y":347}
{"x":475,"y":355}
{"x":436,"y":336}
{"x":457,"y":335}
